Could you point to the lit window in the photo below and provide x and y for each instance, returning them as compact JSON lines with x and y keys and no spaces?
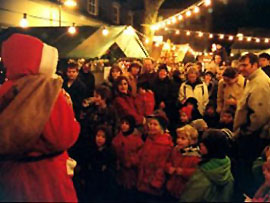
{"x":116,"y":13}
{"x":92,"y":7}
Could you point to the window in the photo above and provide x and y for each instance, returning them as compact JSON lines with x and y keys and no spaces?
{"x":116,"y":13}
{"x":92,"y":7}
{"x":130,"y":18}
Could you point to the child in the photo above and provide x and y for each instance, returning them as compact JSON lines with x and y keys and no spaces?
{"x":201,"y":126}
{"x":210,"y":116}
{"x":213,"y":180}
{"x":183,"y":161}
{"x":226,"y":119}
{"x":126,"y":145}
{"x":154,"y":155}
{"x":99,"y":168}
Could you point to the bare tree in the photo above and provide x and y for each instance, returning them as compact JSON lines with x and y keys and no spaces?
{"x":151,"y":8}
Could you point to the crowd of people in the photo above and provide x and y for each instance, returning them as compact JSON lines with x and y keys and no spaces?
{"x":148,"y":133}
{"x":169,"y":134}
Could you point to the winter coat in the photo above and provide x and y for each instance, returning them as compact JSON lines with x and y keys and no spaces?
{"x":153,"y":158}
{"x":89,"y":81}
{"x":226,"y":92}
{"x":145,"y":102}
{"x":211,"y":182}
{"x":125,"y":105}
{"x":253,"y":110}
{"x":77,"y":92}
{"x":98,"y":169}
{"x":41,"y":175}
{"x":38,"y":172}
{"x":188,"y":162}
{"x":199,"y":92}
{"x":127,"y":148}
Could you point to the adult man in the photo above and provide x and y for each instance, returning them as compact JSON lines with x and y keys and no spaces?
{"x":230,"y":89}
{"x":149,"y":73}
{"x":264,"y":61}
{"x":252,"y":114}
{"x":75,"y":88}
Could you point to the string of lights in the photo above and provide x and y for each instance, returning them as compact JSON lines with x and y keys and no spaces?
{"x":179,"y":17}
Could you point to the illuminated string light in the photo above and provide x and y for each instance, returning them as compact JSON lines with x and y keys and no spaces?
{"x":221,"y":36}
{"x":72,"y":30}
{"x":24,"y":22}
{"x":180,"y":17}
{"x":266,"y":41}
{"x":188,"y":13}
{"x":196,"y":9}
{"x":200,"y":34}
{"x":211,"y":36}
{"x":231,"y":38}
{"x":177,"y":32}
{"x":174,"y":20}
{"x":207,"y":2}
{"x":258,"y":40}
{"x":188,"y":33}
{"x":249,"y":39}
{"x":105,"y":31}
{"x":70,"y":3}
{"x":147,"y":41}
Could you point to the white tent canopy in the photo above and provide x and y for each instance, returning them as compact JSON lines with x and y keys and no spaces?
{"x":97,"y":44}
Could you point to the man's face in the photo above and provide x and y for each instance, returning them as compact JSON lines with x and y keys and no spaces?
{"x":246,"y":68}
{"x":263,"y":62}
{"x":230,"y":81}
{"x":72,"y":73}
{"x":218,"y":59}
{"x":192,"y":77}
{"x":148,"y":65}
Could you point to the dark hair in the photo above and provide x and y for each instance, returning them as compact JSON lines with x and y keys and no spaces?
{"x":264,"y":55}
{"x":230,"y":72}
{"x":135,"y":64}
{"x":107,"y":132}
{"x":230,"y":111}
{"x":114,"y":67}
{"x":104,"y":92}
{"x":118,"y":81}
{"x":73,"y":66}
{"x":161,"y":117}
{"x":252,"y":58}
{"x":163,"y":67}
{"x":216,"y":142}
{"x":132,"y":123}
{"x":209,"y":73}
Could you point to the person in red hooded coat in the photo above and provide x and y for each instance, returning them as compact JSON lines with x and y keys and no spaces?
{"x":37,"y":125}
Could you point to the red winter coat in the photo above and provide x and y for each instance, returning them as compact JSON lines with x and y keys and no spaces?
{"x":153,"y":158}
{"x":127,"y":148}
{"x":145,"y":103}
{"x":188,"y":163}
{"x":125,"y":105}
{"x":43,"y":180}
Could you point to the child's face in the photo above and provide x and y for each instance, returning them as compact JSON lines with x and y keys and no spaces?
{"x":227,"y":118}
{"x":98,"y":99}
{"x":135,"y":70}
{"x":123,"y":86}
{"x":203,"y":149}
{"x":124,"y":126}
{"x":100,"y":138}
{"x":182,"y":140}
{"x":154,"y":127}
{"x":183,"y":117}
{"x":115,"y":74}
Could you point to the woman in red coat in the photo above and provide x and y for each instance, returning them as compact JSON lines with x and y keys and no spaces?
{"x":37,"y":125}
{"x":124,"y":102}
{"x":153,"y":156}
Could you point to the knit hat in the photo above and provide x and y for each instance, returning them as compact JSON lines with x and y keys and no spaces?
{"x":216,"y":143}
{"x":187,"y":110}
{"x":161,"y":117}
{"x":131,"y":121}
{"x":26,"y":55}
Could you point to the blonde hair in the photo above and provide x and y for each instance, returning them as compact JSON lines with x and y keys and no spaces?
{"x":189,"y":131}
{"x":192,"y":69}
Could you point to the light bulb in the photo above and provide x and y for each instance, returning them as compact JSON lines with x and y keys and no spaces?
{"x":72,"y":29}
{"x":105,"y":31}
{"x":207,"y":2}
{"x":24,"y":22}
{"x":70,"y":3}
